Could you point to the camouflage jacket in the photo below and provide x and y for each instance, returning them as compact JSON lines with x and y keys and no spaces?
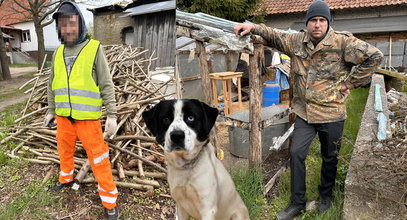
{"x":319,"y":71}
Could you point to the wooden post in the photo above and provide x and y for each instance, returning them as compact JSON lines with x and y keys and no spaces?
{"x":204,"y":71}
{"x":255,"y":139}
{"x":206,"y":87}
{"x":178,"y":91}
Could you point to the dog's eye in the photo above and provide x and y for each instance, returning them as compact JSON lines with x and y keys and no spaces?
{"x":166,"y":120}
{"x":191,"y":118}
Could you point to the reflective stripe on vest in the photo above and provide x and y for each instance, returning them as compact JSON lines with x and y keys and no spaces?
{"x":77,"y":95}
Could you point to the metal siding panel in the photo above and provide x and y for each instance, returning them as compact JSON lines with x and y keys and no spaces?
{"x":365,"y":25}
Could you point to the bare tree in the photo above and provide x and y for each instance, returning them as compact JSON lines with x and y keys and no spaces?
{"x":5,"y":70}
{"x":37,"y":11}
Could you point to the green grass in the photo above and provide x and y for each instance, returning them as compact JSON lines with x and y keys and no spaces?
{"x":13,"y":93}
{"x":249,"y":184}
{"x":34,"y":203}
{"x":23,"y":65}
{"x":355,"y":107}
{"x":31,"y":200}
{"x":11,"y":113}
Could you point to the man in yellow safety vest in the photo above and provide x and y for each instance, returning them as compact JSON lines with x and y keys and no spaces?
{"x":79,"y":83}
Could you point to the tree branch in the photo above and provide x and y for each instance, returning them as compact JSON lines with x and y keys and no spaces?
{"x":49,"y":12}
{"x":47,"y":23}
{"x":13,"y":9}
{"x":21,"y":6}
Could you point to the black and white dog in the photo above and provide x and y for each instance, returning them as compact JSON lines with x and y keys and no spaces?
{"x":199,"y":183}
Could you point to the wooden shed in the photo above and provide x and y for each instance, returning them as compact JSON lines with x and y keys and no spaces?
{"x":147,"y":23}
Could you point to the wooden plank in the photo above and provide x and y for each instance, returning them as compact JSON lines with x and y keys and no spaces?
{"x":392,"y":74}
{"x":255,"y":137}
{"x":170,"y":24}
{"x":190,"y":78}
{"x":173,"y":38}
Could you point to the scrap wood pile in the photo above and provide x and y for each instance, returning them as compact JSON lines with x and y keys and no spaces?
{"x":387,"y":163}
{"x":137,"y":160}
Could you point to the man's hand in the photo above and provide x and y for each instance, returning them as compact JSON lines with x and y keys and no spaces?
{"x":49,"y":120}
{"x":245,"y":28}
{"x":110,"y":125}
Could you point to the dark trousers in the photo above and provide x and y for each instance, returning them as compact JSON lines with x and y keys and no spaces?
{"x":330,"y":138}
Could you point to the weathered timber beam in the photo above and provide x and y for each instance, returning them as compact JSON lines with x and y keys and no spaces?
{"x":255,"y":136}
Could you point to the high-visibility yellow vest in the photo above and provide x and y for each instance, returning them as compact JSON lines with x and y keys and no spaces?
{"x":77,"y":95}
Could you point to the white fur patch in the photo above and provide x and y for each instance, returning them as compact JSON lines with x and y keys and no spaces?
{"x":179,"y":124}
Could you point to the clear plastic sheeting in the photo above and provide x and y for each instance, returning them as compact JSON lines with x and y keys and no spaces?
{"x":378,"y":99}
{"x":212,"y":29}
{"x":382,"y":122}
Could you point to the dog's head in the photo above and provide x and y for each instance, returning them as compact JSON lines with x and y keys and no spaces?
{"x":181,"y":125}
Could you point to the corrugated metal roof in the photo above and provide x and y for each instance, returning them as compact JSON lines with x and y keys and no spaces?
{"x":290,"y":6}
{"x":150,"y":8}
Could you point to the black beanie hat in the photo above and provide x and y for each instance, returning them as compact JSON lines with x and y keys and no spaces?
{"x":65,"y":9}
{"x":318,"y":8}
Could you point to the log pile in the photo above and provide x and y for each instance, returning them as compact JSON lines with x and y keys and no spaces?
{"x":137,"y":160}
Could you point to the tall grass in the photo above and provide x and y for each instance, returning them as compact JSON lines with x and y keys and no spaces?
{"x":249,"y":184}
{"x":355,"y":105}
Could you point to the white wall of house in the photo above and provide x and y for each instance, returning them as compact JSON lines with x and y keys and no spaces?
{"x":26,"y":45}
{"x":50,"y":36}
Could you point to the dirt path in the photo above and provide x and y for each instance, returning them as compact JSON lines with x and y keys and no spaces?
{"x":18,"y":78}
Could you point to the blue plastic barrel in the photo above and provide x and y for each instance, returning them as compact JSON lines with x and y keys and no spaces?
{"x":271,"y":93}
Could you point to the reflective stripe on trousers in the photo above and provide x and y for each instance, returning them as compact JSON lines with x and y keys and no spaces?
{"x":89,"y":132}
{"x":66,"y":177}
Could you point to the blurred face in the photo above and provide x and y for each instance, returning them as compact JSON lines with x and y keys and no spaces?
{"x":68,"y":28}
{"x":317,"y":28}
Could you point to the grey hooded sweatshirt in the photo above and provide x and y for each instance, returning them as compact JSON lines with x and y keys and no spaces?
{"x":100,"y":73}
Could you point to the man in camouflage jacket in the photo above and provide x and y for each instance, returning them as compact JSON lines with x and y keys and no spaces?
{"x":325,"y":65}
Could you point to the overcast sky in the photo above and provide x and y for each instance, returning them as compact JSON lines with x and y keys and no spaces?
{"x":85,"y":4}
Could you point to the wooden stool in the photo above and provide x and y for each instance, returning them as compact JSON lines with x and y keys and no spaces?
{"x":226,"y":78}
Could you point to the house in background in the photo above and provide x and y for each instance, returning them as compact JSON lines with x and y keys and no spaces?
{"x":145,"y":23}
{"x":24,"y":44}
{"x":381,"y":22}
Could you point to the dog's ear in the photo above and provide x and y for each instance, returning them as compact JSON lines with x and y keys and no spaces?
{"x":150,"y":118}
{"x":210,"y":115}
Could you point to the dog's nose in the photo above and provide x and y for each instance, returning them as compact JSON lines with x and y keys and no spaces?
{"x":177,"y":137}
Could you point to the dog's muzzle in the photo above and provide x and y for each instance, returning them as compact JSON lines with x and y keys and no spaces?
{"x":177,"y":140}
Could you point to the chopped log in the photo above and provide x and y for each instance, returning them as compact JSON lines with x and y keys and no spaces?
{"x":140,"y":163}
{"x":140,"y":158}
{"x":82,"y":172}
{"x":48,"y":175}
{"x":13,"y":135}
{"x":147,"y":182}
{"x":134,"y":137}
{"x":147,"y":174}
{"x":123,"y":184}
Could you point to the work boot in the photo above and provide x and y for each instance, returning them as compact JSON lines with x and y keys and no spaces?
{"x":112,"y":214}
{"x":290,"y":212}
{"x":324,"y":203}
{"x":58,"y":186}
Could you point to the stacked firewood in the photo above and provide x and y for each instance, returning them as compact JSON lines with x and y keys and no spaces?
{"x":137,"y":160}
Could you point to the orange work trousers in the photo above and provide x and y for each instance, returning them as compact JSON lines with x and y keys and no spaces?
{"x":90,"y":134}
